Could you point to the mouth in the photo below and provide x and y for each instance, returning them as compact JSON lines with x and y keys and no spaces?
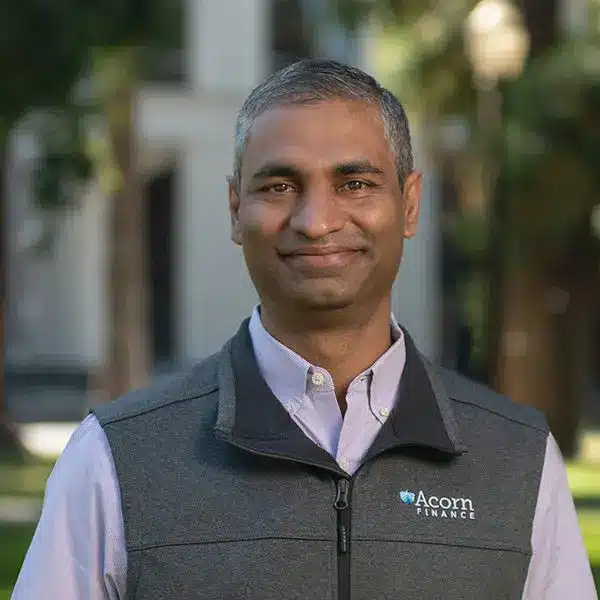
{"x":321,"y":257}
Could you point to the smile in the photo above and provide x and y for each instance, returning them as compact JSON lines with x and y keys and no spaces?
{"x":330,"y":259}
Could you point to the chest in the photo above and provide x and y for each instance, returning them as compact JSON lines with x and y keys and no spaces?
{"x":241,"y":526}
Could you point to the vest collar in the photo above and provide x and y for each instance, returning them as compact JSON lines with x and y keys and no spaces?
{"x":251,"y":417}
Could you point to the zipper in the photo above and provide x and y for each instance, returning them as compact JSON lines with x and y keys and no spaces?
{"x":342,"y":506}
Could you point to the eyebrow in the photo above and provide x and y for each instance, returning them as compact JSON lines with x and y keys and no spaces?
{"x":274,"y":169}
{"x":354,"y":167}
{"x":357,"y":167}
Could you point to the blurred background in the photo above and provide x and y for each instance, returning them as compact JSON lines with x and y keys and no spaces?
{"x":116,"y":123}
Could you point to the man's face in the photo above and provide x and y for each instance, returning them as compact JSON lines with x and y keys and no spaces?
{"x":319,"y":212}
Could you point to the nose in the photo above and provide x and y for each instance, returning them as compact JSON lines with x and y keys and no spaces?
{"x":317,"y":214}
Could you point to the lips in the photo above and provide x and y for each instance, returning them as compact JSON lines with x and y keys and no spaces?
{"x":329,"y":257}
{"x":320,"y":251}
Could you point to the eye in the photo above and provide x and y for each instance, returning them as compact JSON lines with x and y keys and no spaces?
{"x":278,"y":188}
{"x":355,"y":185}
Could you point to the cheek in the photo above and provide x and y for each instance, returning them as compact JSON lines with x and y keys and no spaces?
{"x":387,"y":230}
{"x":259,"y":221}
{"x":382,"y":220}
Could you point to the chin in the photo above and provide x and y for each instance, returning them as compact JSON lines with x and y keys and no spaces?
{"x":324,"y":304}
{"x":322,"y":299}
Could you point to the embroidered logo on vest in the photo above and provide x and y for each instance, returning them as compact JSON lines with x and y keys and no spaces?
{"x":443,"y":507}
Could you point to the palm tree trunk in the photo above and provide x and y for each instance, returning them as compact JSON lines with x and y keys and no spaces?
{"x":546,"y":349}
{"x":9,"y":440}
{"x":575,"y":348}
{"x":542,"y":347}
{"x":128,"y":353}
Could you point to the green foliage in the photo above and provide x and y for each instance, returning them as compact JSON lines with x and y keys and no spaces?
{"x":40,"y":56}
{"x":470,"y":236}
{"x":435,"y":78}
{"x":46,"y":48}
{"x":550,"y":143}
{"x":398,"y":12}
{"x":63,"y":163}
{"x":551,"y":148}
{"x":424,"y":63}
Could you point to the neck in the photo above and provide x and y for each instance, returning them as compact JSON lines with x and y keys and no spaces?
{"x":344,"y":345}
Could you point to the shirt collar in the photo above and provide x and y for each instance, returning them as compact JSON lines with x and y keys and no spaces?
{"x":250,"y":417}
{"x":286,"y":373}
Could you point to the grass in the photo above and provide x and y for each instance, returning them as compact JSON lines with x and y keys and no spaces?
{"x":589,"y":521}
{"x":584,"y":481}
{"x":24,"y":480}
{"x":28,"y":480}
{"x":12,"y":554}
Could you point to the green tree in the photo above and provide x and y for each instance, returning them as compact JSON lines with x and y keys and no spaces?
{"x":550,"y":186}
{"x":46,"y":50}
{"x":34,"y":39}
{"x":544,"y":256}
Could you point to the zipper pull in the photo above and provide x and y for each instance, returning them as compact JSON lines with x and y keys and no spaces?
{"x":341,"y":498}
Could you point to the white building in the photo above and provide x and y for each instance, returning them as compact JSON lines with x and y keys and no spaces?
{"x":201,"y":290}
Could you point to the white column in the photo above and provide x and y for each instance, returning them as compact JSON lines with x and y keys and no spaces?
{"x":55,"y":298}
{"x":417,"y":291}
{"x":228,"y":44}
{"x":215,"y":293}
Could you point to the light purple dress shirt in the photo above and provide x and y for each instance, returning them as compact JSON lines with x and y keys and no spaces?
{"x":78,"y":550}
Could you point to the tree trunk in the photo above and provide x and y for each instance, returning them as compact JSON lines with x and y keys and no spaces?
{"x":543,"y":348}
{"x":526,"y":359}
{"x":546,"y":346}
{"x":541,"y":17}
{"x":9,"y":440}
{"x":575,"y":340}
{"x":128,"y":352}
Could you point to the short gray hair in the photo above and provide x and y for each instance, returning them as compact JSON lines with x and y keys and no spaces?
{"x":320,"y":80}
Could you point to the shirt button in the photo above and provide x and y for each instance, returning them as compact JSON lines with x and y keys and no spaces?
{"x":344,"y":463}
{"x":384,"y":412}
{"x":318,"y":378}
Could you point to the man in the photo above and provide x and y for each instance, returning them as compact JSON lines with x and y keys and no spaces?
{"x":318,"y":454}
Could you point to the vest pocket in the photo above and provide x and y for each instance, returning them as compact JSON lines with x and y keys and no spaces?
{"x":257,"y":569}
{"x":417,"y":570}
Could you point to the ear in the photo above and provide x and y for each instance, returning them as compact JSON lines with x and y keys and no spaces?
{"x":412,"y":203}
{"x":234,"y":208}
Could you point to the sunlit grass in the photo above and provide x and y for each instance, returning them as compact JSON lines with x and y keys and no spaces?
{"x":589,"y":521}
{"x":584,"y":480}
{"x":24,"y":480}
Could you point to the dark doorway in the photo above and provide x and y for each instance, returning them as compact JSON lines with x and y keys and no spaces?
{"x":161,"y":199}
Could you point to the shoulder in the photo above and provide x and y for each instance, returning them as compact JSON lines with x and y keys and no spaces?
{"x":472,"y":395}
{"x":86,"y":461}
{"x":198,"y":382}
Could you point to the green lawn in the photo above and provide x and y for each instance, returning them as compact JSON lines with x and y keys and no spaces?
{"x":24,"y":480}
{"x":12,"y":554}
{"x":28,"y":481}
{"x":584,"y":480}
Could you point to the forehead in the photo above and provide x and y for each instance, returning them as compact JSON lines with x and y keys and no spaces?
{"x":317,"y":135}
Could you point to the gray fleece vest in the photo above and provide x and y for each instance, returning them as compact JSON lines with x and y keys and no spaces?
{"x":224,"y":497}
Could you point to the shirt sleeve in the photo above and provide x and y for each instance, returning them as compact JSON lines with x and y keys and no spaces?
{"x":559,"y":566}
{"x":78,"y":549}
